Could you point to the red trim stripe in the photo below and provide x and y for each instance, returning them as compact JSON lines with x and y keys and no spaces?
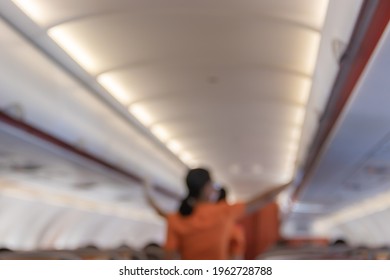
{"x":348,"y":76}
{"x":70,"y":148}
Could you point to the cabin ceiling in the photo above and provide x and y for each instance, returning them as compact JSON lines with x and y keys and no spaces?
{"x":237,"y":86}
{"x":214,"y":82}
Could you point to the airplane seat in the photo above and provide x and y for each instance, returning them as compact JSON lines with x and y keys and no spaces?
{"x":153,"y":251}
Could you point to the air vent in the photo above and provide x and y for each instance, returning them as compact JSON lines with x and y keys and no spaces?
{"x":26,"y":167}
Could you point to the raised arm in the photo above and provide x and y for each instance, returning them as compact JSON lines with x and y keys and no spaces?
{"x":260,"y":201}
{"x":152,"y":202}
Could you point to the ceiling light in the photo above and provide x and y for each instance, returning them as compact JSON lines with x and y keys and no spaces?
{"x":288,"y":168}
{"x":114,"y":88}
{"x":141,"y":114}
{"x":174,"y":146}
{"x":188,"y":159}
{"x":288,"y":164}
{"x":193,"y":164}
{"x":303,"y":90}
{"x":321,"y":8}
{"x":185,"y":157}
{"x":311,"y":52}
{"x":286,"y":176}
{"x":284,"y":199}
{"x":31,"y":9}
{"x":295,"y":134}
{"x":293,"y":148}
{"x":70,"y":44}
{"x":299,"y":115}
{"x":291,"y":158}
{"x":160,"y":133}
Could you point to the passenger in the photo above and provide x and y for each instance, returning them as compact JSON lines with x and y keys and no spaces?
{"x":202,"y":228}
{"x":123,"y":252}
{"x":153,"y":251}
{"x":5,"y":250}
{"x":237,"y":239}
{"x":340,"y":243}
{"x":90,"y":247}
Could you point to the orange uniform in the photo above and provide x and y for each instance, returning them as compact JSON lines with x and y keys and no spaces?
{"x":206,"y":233}
{"x":237,"y":242}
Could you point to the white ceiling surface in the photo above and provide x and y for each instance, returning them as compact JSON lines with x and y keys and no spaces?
{"x":228,"y":80}
{"x":216,"y":77}
{"x":353,"y":175}
{"x":177,"y":63}
{"x":63,"y":201}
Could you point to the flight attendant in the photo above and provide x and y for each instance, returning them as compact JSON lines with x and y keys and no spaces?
{"x":202,"y":227}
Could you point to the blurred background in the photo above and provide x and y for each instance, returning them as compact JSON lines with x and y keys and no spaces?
{"x":100,"y":98}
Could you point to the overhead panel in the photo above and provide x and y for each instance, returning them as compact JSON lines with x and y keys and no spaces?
{"x":352,"y":176}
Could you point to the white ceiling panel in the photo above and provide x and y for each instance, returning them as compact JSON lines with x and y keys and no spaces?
{"x":196,"y":73}
{"x":230,"y":82}
{"x":182,"y":37}
{"x":222,"y":83}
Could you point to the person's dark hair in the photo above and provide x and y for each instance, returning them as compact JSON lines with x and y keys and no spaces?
{"x":196,"y":180}
{"x":340,"y":242}
{"x":153,"y":251}
{"x":5,"y":250}
{"x":124,"y":247}
{"x":91,"y":247}
{"x":222,"y":194}
{"x":152,"y":245}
